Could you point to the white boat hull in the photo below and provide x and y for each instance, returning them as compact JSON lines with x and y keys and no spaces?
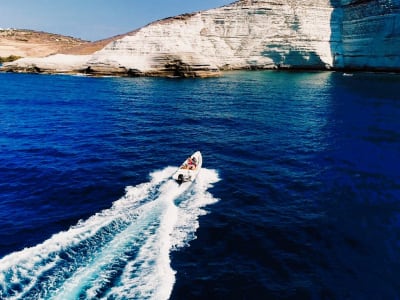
{"x":190,"y":168}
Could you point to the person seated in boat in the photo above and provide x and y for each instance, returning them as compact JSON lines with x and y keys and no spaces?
{"x":192,"y":163}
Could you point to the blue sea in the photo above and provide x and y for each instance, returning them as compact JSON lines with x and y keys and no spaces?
{"x":298,"y":197}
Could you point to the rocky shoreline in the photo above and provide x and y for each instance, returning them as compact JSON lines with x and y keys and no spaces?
{"x":245,"y":35}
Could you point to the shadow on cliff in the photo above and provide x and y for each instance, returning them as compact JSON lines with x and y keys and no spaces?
{"x":292,"y":59}
{"x":365,"y":35}
{"x":336,"y":44}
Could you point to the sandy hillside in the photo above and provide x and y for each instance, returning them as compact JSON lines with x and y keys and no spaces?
{"x":29,"y":43}
{"x":34,"y":43}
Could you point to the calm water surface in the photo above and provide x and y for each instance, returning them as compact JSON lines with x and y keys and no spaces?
{"x":299,"y":197}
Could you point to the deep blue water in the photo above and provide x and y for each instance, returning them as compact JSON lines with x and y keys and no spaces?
{"x":299,"y":197}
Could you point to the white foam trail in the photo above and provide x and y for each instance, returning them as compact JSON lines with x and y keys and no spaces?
{"x":192,"y":208}
{"x":122,"y":252}
{"x":150,"y":276}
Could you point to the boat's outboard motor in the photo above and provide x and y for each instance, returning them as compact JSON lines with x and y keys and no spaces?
{"x":180,"y":178}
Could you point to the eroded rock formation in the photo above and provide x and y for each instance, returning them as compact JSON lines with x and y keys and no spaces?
{"x":251,"y":34}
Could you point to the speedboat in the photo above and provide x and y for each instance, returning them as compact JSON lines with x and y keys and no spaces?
{"x":189,"y":169}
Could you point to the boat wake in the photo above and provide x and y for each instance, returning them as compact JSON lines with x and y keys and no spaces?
{"x":119,"y":253}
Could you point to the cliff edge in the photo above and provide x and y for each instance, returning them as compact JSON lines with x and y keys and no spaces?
{"x":247,"y":34}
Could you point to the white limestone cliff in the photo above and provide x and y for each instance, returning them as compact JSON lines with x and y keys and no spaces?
{"x":58,"y":63}
{"x":252,"y":34}
{"x":244,"y":35}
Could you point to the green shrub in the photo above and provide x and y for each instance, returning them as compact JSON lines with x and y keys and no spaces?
{"x":9,"y":58}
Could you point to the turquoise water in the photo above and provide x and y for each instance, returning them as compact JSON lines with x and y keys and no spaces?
{"x":298,"y":197}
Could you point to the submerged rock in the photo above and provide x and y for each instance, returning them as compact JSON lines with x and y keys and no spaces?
{"x":249,"y":34}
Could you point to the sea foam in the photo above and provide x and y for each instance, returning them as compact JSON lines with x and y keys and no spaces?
{"x":121,"y":252}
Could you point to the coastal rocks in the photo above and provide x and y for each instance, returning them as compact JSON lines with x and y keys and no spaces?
{"x":58,"y":63}
{"x":248,"y":34}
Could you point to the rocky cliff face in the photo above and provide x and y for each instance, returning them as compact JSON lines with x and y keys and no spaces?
{"x":370,"y":35}
{"x":244,"y":35}
{"x":253,"y":34}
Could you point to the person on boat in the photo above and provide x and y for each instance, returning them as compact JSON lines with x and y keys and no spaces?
{"x":192,"y":163}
